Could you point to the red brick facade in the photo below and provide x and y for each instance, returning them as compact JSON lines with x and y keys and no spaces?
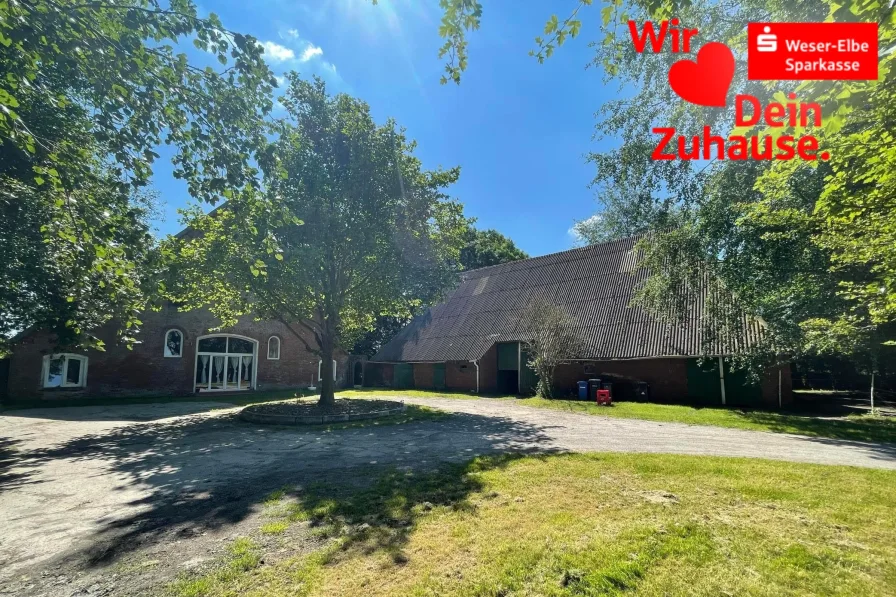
{"x":145,"y":370}
{"x":667,"y":377}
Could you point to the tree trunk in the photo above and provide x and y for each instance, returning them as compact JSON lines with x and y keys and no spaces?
{"x":327,"y":384}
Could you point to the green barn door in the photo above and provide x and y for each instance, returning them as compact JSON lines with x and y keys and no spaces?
{"x":740,"y":390}
{"x":438,"y":376}
{"x":508,"y":367}
{"x":404,"y":376}
{"x":704,"y":386}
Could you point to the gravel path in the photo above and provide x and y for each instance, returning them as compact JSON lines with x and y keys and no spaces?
{"x":82,"y":489}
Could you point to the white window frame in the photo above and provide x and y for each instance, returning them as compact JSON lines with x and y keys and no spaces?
{"x":279,"y":344}
{"x":226,"y":356}
{"x":320,"y":365}
{"x":165,"y":347}
{"x":82,"y":377}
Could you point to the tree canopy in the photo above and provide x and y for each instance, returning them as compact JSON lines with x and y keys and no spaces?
{"x":88,"y":92}
{"x":349,"y":227}
{"x":488,"y":247}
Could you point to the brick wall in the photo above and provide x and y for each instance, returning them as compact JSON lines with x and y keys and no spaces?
{"x":146,"y":371}
{"x":668,"y":378}
{"x":378,"y":375}
{"x":488,"y":371}
{"x":460,"y":375}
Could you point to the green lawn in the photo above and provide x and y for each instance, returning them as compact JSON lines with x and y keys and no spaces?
{"x":608,"y":524}
{"x":858,"y":428}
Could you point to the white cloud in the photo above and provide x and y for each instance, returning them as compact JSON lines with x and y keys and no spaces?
{"x":281,"y":81}
{"x":576,"y":231}
{"x":293,"y":33}
{"x":277,"y":53}
{"x":310,"y":52}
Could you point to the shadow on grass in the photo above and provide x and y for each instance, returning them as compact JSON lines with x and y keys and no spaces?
{"x":864,"y":429}
{"x":379,"y":509}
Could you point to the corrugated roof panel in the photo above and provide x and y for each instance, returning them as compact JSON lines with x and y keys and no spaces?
{"x":594,"y":285}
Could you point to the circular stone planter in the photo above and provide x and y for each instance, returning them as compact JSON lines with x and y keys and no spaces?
{"x":255,"y":414}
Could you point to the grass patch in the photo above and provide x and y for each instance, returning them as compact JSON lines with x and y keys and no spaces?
{"x":275,"y":528}
{"x":608,"y":524}
{"x":243,"y":557}
{"x":868,"y":428}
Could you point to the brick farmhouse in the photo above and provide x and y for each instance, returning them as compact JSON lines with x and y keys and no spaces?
{"x":176,"y":355}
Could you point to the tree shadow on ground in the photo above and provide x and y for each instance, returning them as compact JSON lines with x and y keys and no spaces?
{"x":9,"y":459}
{"x":380,"y":509}
{"x":199,"y":473}
{"x":867,"y":429}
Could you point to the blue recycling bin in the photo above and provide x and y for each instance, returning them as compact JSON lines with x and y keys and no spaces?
{"x":583,"y":390}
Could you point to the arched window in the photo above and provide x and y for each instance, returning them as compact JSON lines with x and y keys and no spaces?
{"x":65,"y":371}
{"x":273,"y":348}
{"x":225,"y":362}
{"x":174,"y":343}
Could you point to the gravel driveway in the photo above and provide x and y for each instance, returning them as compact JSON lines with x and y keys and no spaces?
{"x":81,"y":489}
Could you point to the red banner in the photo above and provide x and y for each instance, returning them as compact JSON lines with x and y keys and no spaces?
{"x":812,"y":51}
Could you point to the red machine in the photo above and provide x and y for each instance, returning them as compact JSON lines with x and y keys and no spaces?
{"x":603,"y":397}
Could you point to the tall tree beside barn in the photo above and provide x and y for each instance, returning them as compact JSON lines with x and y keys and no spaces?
{"x":349,"y":226}
{"x":552,"y":340}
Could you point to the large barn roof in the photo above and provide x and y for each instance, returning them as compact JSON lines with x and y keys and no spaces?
{"x":593,"y":284}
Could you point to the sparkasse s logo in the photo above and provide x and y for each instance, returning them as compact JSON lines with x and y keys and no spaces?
{"x":776,"y":51}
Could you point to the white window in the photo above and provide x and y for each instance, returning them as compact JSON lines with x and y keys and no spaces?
{"x":273,"y":348}
{"x":174,"y":343}
{"x":319,"y":367}
{"x":225,"y":362}
{"x":65,"y":371}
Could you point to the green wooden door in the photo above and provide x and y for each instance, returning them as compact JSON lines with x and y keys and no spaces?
{"x":740,"y":390}
{"x":508,"y":356}
{"x":438,"y":376}
{"x":703,"y":381}
{"x":404,"y":376}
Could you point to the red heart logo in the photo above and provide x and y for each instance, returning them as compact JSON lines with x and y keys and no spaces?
{"x":706,"y":81}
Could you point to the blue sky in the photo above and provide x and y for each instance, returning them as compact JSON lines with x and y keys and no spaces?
{"x":517,"y":129}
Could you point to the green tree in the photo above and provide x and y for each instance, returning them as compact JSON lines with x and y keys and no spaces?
{"x":552,"y":340}
{"x":349,"y":227}
{"x":488,"y":247}
{"x":89,"y":90}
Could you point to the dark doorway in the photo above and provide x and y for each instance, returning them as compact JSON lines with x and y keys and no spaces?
{"x":359,"y":374}
{"x":508,"y":382}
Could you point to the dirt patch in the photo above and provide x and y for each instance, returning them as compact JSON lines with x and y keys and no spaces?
{"x":660,"y":497}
